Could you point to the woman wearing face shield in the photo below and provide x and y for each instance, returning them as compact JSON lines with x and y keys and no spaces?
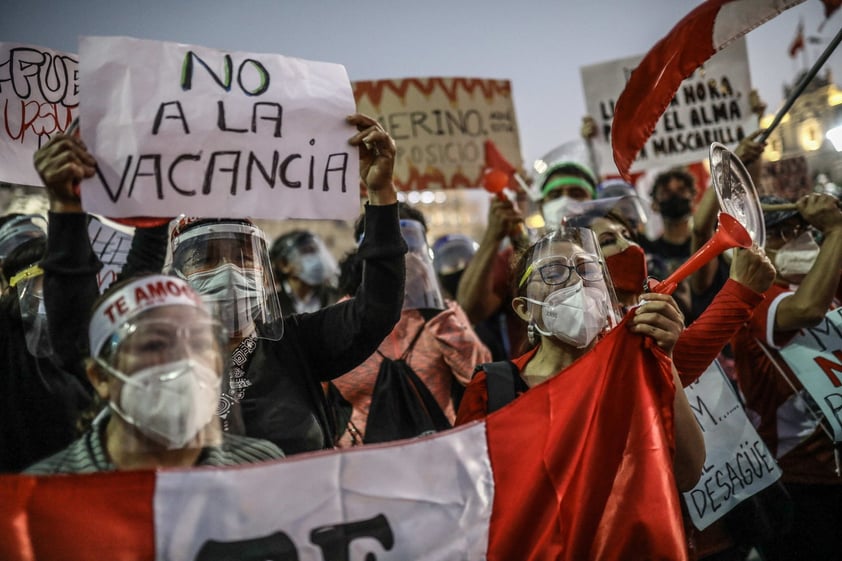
{"x":568,"y":303}
{"x":701,"y":342}
{"x":156,"y":359}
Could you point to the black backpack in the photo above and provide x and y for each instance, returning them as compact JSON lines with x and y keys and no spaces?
{"x":401,"y":404}
{"x":504,"y":383}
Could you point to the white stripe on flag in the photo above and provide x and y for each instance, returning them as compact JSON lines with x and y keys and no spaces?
{"x":433,"y":496}
{"x":737,"y":18}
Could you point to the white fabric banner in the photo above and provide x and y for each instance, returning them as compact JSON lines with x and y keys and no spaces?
{"x":738,"y":464}
{"x":710,"y":105}
{"x":427,"y":499}
{"x":39,"y":97}
{"x":815,"y":356}
{"x":185,"y":129}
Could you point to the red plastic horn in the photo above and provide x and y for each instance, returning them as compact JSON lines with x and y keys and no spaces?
{"x":729,"y":234}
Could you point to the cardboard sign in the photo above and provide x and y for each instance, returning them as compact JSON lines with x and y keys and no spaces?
{"x":737,"y":464}
{"x":815,"y":356}
{"x":440,"y":125}
{"x":185,"y":129}
{"x":39,"y":97}
{"x":712,"y":105}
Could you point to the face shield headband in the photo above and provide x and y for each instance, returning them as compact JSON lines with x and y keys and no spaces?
{"x":135,"y":298}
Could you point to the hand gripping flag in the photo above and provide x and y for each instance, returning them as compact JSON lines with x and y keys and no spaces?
{"x":578,"y":468}
{"x":709,"y":28}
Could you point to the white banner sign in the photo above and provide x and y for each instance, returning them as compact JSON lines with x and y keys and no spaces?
{"x":738,"y":464}
{"x":712,"y":105}
{"x":111,"y":243}
{"x":815,"y":356}
{"x":185,"y":129}
{"x":287,"y":511}
{"x":39,"y":96}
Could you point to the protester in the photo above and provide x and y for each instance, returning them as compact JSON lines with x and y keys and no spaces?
{"x":272,"y":388}
{"x":451,"y":255}
{"x":433,"y":338}
{"x":156,"y":358}
{"x":40,"y":401}
{"x":700,"y":343}
{"x":305,"y":271}
{"x":807,"y":286}
{"x":567,"y":302}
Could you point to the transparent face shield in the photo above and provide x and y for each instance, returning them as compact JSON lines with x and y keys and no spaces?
{"x":164,"y":368}
{"x":312,"y":262}
{"x":19,"y":230}
{"x":29,"y":285}
{"x":568,"y":288}
{"x":422,"y":287}
{"x":452,"y":253}
{"x":228,"y":265}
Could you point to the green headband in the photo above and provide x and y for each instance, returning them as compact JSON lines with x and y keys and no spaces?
{"x":567,"y":180}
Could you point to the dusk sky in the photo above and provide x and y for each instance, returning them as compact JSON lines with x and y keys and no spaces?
{"x":539,"y":45}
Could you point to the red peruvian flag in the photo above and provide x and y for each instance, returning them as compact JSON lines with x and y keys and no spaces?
{"x":709,"y":28}
{"x":578,"y":468}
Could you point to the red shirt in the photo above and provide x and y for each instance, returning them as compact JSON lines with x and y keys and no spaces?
{"x":475,"y":400}
{"x":803,"y":450}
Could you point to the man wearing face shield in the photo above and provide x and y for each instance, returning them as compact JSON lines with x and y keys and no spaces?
{"x":806,"y":288}
{"x":278,"y":364}
{"x":157,"y":360}
{"x":433,"y":336}
{"x":567,"y":301}
{"x":306,"y":272}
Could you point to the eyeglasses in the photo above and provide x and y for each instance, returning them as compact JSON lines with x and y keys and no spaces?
{"x":788,"y":232}
{"x":556,"y":273}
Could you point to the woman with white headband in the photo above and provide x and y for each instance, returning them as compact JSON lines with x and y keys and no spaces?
{"x":157,"y":359}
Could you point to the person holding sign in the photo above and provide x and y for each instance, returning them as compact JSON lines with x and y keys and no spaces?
{"x":274,"y":379}
{"x":806,"y":288}
{"x":279,"y":364}
{"x":566,"y":299}
{"x":157,"y":358}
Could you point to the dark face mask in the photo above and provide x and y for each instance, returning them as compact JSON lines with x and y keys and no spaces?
{"x":675,"y":207}
{"x":450,"y":282}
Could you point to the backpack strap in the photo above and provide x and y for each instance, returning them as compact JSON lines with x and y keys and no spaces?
{"x":504,"y":383}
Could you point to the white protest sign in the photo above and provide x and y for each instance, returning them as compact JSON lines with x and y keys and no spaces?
{"x":111,"y":243}
{"x":737,"y":464}
{"x":712,"y":105}
{"x":815,"y":356}
{"x":185,"y":129}
{"x":39,"y":97}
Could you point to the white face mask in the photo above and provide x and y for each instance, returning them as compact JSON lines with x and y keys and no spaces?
{"x":554,"y":210}
{"x":796,"y":257}
{"x":313,"y":270}
{"x":235,"y":294}
{"x":574,"y":315}
{"x":169,"y":403}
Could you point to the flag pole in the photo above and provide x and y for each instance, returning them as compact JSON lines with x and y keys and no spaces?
{"x":802,"y":85}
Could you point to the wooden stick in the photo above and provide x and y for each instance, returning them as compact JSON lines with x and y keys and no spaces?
{"x":781,"y":206}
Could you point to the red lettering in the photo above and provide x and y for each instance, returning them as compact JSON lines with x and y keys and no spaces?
{"x":829,"y":366}
{"x":140,"y":295}
{"x":156,"y":290}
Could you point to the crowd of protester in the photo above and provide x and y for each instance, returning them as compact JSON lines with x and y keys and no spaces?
{"x":253,"y":350}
